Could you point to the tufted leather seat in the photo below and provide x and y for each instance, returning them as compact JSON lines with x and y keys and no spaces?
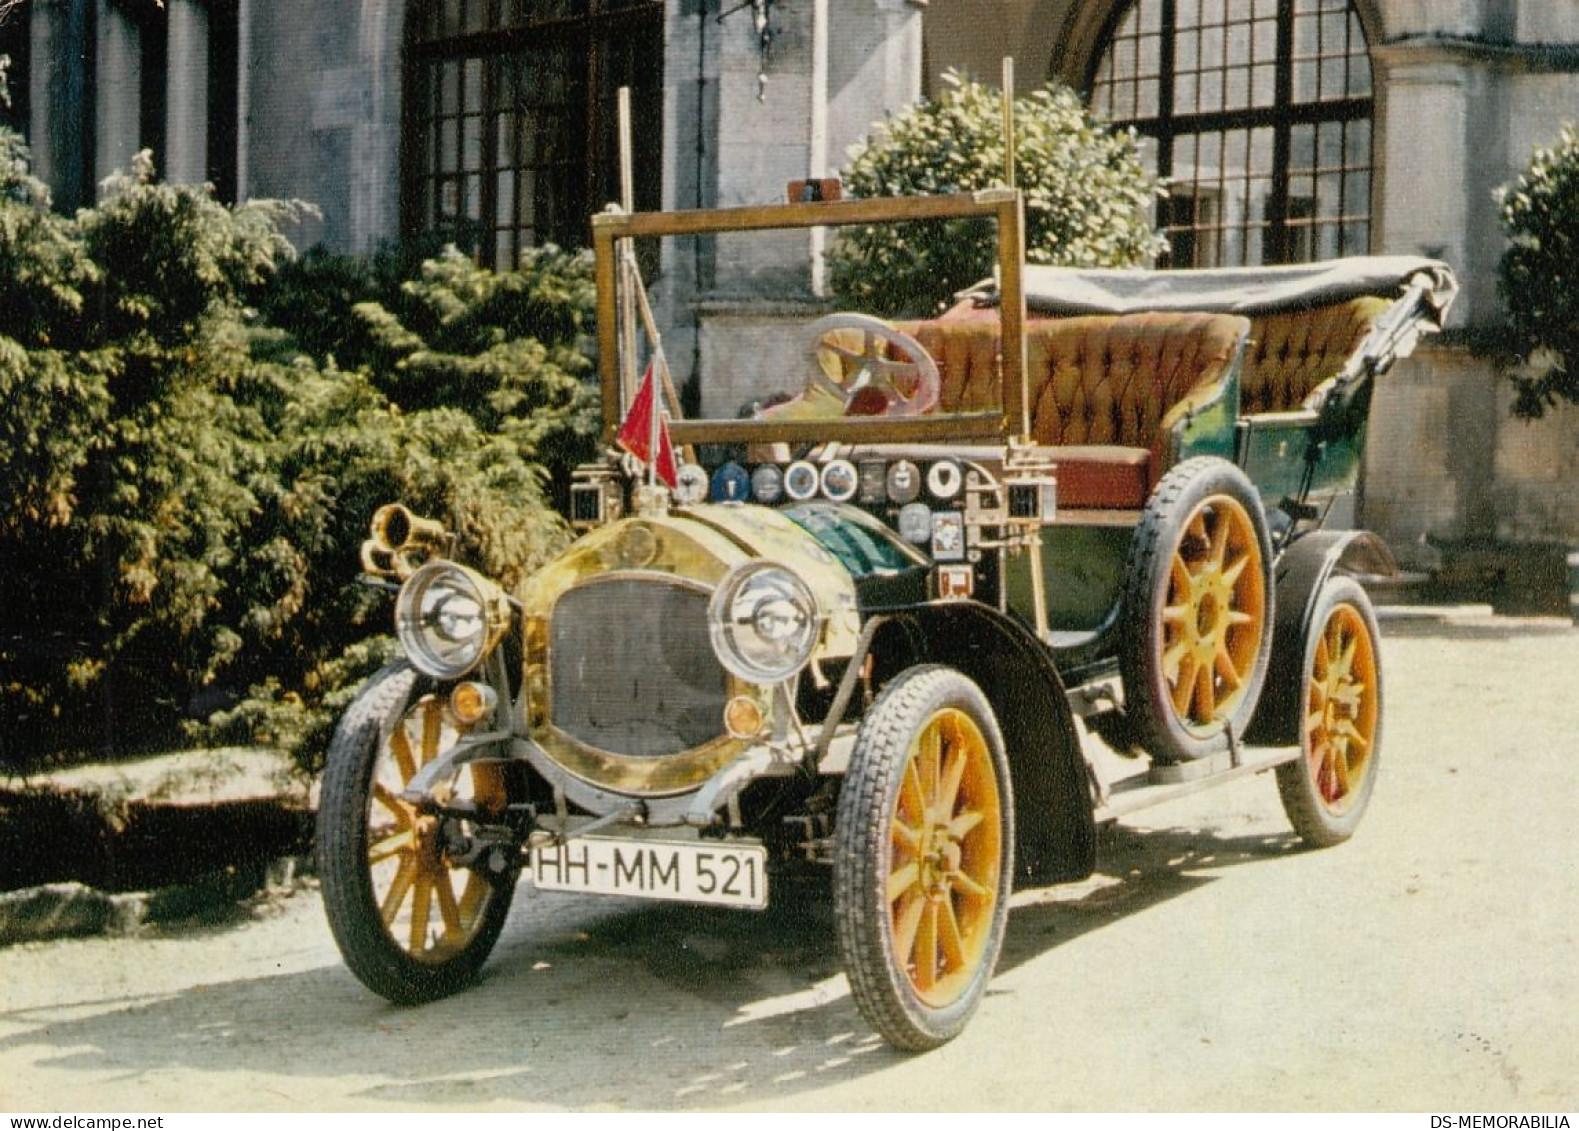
{"x":1105,"y":389}
{"x":1291,"y":354}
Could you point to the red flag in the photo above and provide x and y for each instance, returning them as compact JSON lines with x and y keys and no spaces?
{"x":638,"y":429}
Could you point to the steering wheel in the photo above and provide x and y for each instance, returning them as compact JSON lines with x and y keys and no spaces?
{"x":908,"y":383}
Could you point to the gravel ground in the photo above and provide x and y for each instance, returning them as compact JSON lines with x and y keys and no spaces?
{"x":1429,"y":964}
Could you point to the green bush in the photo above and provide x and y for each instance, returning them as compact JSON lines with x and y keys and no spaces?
{"x":1088,"y":200}
{"x":130,"y":461}
{"x":188,"y":486}
{"x":1538,"y":277}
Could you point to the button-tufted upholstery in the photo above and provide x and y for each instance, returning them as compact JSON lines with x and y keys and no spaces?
{"x":1105,"y":388}
{"x":1107,"y":380}
{"x":1290,"y":354}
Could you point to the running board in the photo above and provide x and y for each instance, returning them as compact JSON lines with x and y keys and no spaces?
{"x":1163,"y":783}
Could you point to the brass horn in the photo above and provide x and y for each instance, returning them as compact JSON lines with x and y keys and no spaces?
{"x":396,"y":535}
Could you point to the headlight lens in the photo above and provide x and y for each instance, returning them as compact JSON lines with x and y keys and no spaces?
{"x":764,"y":622}
{"x":447,"y":619}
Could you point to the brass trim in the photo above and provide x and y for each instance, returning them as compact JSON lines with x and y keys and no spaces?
{"x":652,"y":777}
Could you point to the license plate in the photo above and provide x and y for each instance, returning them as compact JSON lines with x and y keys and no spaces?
{"x":733,"y":875}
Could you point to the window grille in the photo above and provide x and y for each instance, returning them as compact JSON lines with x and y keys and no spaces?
{"x":511,"y":136}
{"x":1258,"y":112}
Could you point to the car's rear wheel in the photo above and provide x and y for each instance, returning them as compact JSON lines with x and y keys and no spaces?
{"x":1197,"y":611}
{"x":1326,"y":791}
{"x":924,"y":857}
{"x":412,"y":924}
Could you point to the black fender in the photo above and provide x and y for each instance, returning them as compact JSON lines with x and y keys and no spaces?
{"x":1298,"y":574}
{"x":1055,"y":836}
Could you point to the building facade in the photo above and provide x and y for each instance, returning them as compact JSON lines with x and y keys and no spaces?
{"x":1289,"y":130}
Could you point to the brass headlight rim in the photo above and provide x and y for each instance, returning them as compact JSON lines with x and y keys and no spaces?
{"x":495,"y":606}
{"x":725,"y":592}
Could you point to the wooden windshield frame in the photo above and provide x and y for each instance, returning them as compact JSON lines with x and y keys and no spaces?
{"x":1005,"y":206}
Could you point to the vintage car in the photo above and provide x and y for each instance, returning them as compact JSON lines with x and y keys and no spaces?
{"x":968,"y":587}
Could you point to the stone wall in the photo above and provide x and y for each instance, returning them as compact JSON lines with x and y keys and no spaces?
{"x":320,"y":88}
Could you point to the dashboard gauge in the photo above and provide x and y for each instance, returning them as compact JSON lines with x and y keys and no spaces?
{"x":801,"y":481}
{"x":731,"y":484}
{"x":874,"y":483}
{"x":767,"y":483}
{"x":839,"y":481}
{"x":948,"y":536}
{"x":904,"y":482}
{"x":690,"y":484}
{"x":945,"y":479}
{"x":915,"y":523}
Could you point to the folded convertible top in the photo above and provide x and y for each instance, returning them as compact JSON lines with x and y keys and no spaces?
{"x":1249,"y":291}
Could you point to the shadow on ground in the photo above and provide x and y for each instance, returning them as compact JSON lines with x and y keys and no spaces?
{"x":589,"y":1003}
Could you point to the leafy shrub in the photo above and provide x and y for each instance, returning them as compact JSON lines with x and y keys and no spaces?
{"x":1538,"y":277}
{"x":187,"y":487}
{"x":509,"y":348}
{"x":470,"y":398}
{"x":131,"y":462}
{"x":1088,"y":200}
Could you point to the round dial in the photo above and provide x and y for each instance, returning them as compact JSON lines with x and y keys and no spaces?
{"x":731,"y":484}
{"x":839,"y":481}
{"x":690,"y":484}
{"x":767,"y":483}
{"x":801,"y":481}
{"x":945,"y":479}
{"x":904,"y":482}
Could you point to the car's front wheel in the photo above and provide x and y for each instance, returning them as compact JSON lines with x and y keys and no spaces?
{"x":924,"y":857}
{"x":412,"y":923}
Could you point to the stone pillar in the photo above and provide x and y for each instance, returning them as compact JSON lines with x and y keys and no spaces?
{"x":764,"y":141}
{"x":186,"y":97}
{"x":874,"y":68}
{"x":1429,"y":457}
{"x":117,"y":91}
{"x":375,"y":139}
{"x":1423,"y":158}
{"x":58,"y":94}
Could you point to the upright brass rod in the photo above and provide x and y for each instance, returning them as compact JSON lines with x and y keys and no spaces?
{"x":627,"y":300}
{"x":1008,"y":121}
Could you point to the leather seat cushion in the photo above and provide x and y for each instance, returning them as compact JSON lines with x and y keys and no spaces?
{"x":1103,"y":477}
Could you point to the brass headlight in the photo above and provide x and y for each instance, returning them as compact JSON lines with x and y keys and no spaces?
{"x":448,"y":618}
{"x":764,"y":622}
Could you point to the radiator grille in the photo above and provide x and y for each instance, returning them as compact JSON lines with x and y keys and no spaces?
{"x":632,"y":668}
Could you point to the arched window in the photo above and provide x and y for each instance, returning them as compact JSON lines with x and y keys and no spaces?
{"x":511,"y":132}
{"x":1259,"y":114}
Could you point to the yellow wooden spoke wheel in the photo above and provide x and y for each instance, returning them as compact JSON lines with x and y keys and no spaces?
{"x":924,"y":857}
{"x":431,"y":908}
{"x":1196,"y":632}
{"x":947,"y":854}
{"x":1215,"y":616}
{"x":411,"y":901}
{"x":1326,"y":791}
